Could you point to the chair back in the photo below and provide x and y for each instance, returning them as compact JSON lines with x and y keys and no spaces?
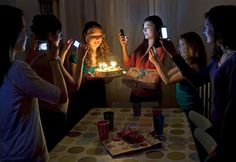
{"x":199,"y":120}
{"x":204,"y":139}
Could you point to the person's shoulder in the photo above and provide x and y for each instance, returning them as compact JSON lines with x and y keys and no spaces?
{"x":20,"y":63}
{"x":21,"y":66}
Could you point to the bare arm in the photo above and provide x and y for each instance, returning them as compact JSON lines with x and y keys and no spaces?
{"x":72,"y":68}
{"x":78,"y":74}
{"x":173,"y":71}
{"x":63,"y":53}
{"x":123,"y":43}
{"x":70,"y":82}
{"x":58,"y":78}
{"x":168,"y":77}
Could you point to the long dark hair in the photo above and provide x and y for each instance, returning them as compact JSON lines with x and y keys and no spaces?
{"x":222,"y":19}
{"x":10,"y":27}
{"x":141,"y":49}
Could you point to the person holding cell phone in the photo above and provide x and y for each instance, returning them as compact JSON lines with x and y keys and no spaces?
{"x":47,"y":28}
{"x":21,"y":135}
{"x":219,"y":30}
{"x":92,"y":92}
{"x":139,"y":58}
{"x":192,"y":49}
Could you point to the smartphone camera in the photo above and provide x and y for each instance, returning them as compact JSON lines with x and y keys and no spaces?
{"x":43,"y":46}
{"x":164,"y":34}
{"x":76,"y":43}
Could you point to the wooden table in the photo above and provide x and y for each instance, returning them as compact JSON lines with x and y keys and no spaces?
{"x":82,"y":143}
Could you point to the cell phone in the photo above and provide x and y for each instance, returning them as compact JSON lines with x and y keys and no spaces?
{"x":164,"y":34}
{"x":122,"y":32}
{"x":76,"y":43}
{"x":42,"y":45}
{"x":155,"y":52}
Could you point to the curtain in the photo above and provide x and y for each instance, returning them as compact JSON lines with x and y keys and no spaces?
{"x":178,"y":15}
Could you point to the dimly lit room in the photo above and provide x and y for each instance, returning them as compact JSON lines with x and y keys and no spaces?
{"x":117,"y":80}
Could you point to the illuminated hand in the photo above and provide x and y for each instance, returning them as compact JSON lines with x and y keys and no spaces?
{"x":123,"y":40}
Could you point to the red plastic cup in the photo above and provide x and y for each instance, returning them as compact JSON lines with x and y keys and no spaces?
{"x":103,"y":129}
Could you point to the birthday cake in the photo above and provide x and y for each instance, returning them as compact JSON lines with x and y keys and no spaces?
{"x":108,"y":72}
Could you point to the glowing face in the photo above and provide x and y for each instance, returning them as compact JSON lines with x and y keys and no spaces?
{"x":94,"y":37}
{"x":149,"y":30}
{"x":182,"y":47}
{"x":208,"y":31}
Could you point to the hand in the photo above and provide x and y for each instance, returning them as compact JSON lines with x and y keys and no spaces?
{"x":65,"y":49}
{"x":169,"y":47}
{"x":88,"y":76}
{"x":151,"y":56}
{"x":67,"y":45}
{"x":123,"y":40}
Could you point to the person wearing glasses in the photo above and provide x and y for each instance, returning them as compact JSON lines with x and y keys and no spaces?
{"x":46,"y":28}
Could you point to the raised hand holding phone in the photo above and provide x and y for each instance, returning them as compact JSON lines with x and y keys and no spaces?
{"x":42,"y":46}
{"x":76,"y":43}
{"x":122,"y":38}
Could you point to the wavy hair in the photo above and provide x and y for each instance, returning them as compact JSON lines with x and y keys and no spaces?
{"x":103,"y":51}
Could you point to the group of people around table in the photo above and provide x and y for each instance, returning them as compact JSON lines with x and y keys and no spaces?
{"x":47,"y":83}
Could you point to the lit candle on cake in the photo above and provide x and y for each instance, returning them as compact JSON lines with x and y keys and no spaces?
{"x":113,"y":64}
{"x":108,"y":70}
{"x":104,"y":65}
{"x":100,"y":65}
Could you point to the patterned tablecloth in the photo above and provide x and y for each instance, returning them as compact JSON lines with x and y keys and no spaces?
{"x":82,"y":143}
